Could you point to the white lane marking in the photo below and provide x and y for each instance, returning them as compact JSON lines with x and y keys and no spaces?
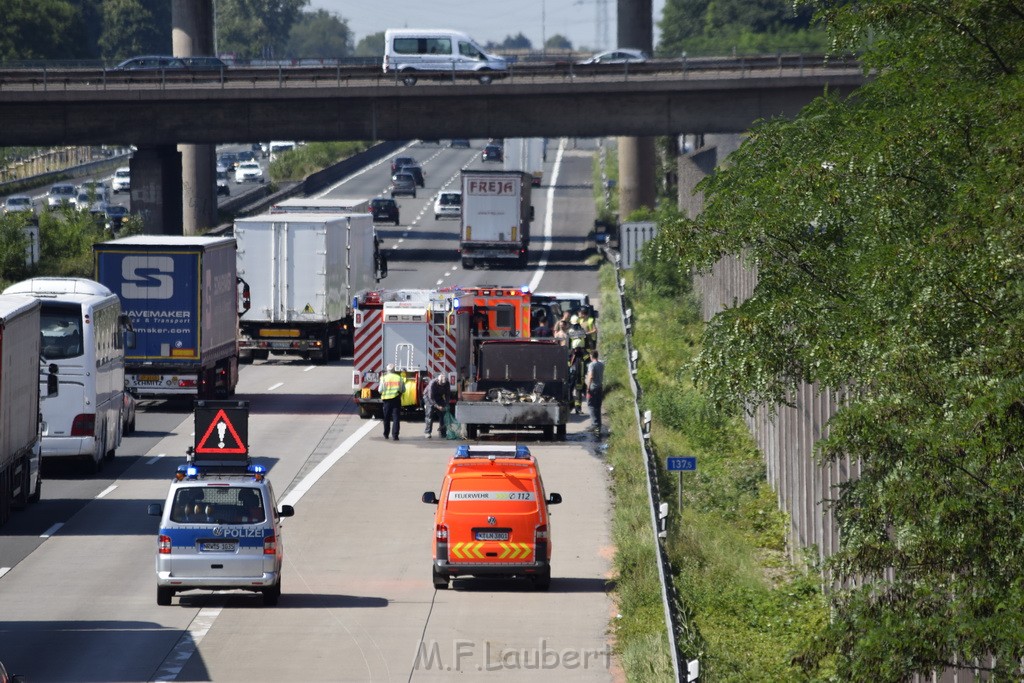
{"x":275,"y":386}
{"x":548,"y":217}
{"x":309,"y":368}
{"x":187,"y":644}
{"x":361,"y":172}
{"x":4,"y":570}
{"x":52,"y":530}
{"x":107,"y":490}
{"x":395,"y":246}
{"x":438,"y":283}
{"x":155,"y":458}
{"x":321,"y":469}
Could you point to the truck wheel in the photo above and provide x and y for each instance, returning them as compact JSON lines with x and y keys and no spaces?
{"x":549,"y":433}
{"x":440,"y":580}
{"x":38,"y":493}
{"x":272,"y":594}
{"x":164,"y":595}
{"x":261,"y":355}
{"x":560,"y":432}
{"x":471,"y":431}
{"x":467,"y":264}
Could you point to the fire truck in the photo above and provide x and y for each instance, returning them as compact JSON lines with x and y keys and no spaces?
{"x":425,"y":333}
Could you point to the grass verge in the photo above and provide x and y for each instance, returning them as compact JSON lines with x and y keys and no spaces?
{"x":750,"y":608}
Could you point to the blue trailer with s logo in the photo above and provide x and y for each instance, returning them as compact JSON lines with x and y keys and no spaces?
{"x":182,"y":296}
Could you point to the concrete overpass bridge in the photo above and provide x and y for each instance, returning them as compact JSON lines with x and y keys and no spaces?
{"x":158,"y":111}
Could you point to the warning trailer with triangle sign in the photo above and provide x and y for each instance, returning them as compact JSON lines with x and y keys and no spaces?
{"x":222,"y":432}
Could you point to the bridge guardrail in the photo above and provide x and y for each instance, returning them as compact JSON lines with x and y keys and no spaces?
{"x":62,"y":77}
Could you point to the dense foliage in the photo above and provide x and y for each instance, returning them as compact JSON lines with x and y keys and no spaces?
{"x":887,"y":236}
{"x":720,"y":27}
{"x":65,"y":238}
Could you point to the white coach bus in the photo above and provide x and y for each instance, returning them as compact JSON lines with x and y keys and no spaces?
{"x":83,"y":334}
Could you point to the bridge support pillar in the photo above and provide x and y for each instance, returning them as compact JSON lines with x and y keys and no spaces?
{"x":636,"y":175}
{"x":637,"y":188}
{"x":156,"y":189}
{"x":192,"y":29}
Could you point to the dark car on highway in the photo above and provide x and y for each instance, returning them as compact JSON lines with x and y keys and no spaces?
{"x":384,"y":210}
{"x":493,"y":153}
{"x":152,"y":63}
{"x":399,"y":162}
{"x":403,"y":183}
{"x":415,"y":170}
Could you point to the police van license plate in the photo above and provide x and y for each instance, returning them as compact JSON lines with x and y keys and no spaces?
{"x":217,"y":547}
{"x":492,"y":535}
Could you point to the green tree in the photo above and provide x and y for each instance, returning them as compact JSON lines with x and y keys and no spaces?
{"x":558,"y":42}
{"x":723,"y":26}
{"x":256,"y":29}
{"x":887,"y":236}
{"x":517,"y":42}
{"x":42,"y":29}
{"x":134,"y":27}
{"x":321,"y":35}
{"x":371,"y":45}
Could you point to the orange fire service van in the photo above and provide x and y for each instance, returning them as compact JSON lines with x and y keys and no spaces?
{"x":492,"y":517}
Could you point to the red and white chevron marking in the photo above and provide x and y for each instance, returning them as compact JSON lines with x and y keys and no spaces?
{"x":368,"y":352}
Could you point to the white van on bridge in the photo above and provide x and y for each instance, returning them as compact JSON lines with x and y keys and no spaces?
{"x":408,"y":50}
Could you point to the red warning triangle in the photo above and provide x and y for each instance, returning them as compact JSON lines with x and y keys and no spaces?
{"x":221,"y":442}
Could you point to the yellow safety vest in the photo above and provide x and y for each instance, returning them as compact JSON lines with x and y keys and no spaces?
{"x":392,"y":383}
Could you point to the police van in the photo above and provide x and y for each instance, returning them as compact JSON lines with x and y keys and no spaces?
{"x":220,"y":525}
{"x":492,"y":517}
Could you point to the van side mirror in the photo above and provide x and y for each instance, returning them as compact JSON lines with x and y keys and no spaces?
{"x":130,"y":339}
{"x":383,"y":268}
{"x":155,"y":509}
{"x":554,"y":499}
{"x":52,"y":382}
{"x":430,"y":498}
{"x":531,"y":212}
{"x":286,"y":511}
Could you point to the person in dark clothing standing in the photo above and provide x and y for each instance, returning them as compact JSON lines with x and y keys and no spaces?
{"x":435,"y":401}
{"x":391,"y":395}
{"x":595,"y":389}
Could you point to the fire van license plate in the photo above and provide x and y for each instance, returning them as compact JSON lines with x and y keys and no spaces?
{"x":492,"y":535}
{"x":217,"y":547}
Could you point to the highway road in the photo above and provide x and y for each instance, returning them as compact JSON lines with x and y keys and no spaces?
{"x":77,"y":583}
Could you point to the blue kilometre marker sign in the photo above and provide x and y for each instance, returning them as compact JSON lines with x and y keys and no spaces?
{"x":682,"y":464}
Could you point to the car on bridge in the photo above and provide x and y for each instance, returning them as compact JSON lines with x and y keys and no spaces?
{"x":151,"y":63}
{"x":620,"y":56}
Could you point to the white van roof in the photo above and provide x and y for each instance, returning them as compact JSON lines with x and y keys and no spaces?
{"x":406,"y":32}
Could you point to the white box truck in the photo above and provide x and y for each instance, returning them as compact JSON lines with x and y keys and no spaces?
{"x":20,"y":433}
{"x":322,"y":205}
{"x":302,"y":271}
{"x":496,"y":216}
{"x":526,"y":154}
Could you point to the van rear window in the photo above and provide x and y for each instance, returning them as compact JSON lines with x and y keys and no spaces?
{"x":423,"y":46}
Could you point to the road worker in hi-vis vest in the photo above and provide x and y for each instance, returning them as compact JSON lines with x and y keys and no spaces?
{"x":391,"y":386}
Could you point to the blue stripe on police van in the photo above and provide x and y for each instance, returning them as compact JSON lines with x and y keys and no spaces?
{"x":247,"y":537}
